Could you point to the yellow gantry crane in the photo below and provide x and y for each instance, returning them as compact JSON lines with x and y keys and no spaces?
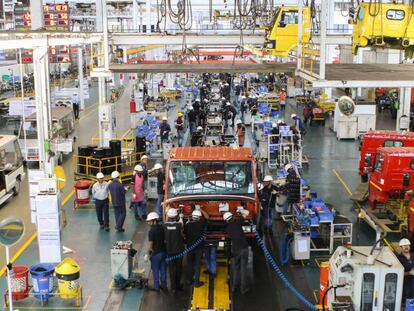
{"x":386,"y":25}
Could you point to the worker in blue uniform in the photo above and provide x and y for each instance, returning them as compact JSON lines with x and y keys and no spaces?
{"x":156,"y":251}
{"x":118,"y":201}
{"x":406,"y":257}
{"x":165,"y":130}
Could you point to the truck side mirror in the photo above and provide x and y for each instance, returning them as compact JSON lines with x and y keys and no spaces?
{"x":406,"y":179}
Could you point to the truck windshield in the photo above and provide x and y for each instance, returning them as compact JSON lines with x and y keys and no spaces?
{"x":202,"y":177}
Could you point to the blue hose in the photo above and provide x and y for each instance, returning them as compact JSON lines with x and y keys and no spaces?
{"x":284,"y":249}
{"x":187,"y":250}
{"x":282,"y":276}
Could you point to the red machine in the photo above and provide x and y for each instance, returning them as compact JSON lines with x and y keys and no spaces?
{"x":219,"y":179}
{"x":393,"y":174}
{"x":376,"y":139}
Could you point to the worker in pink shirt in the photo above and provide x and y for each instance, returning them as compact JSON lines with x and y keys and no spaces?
{"x":138,"y":193}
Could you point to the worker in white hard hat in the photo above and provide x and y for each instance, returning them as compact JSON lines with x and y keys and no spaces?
{"x":239,"y":249}
{"x":298,"y":123}
{"x":293,"y":183}
{"x":197,"y":137}
{"x":240,"y":132}
{"x":406,"y":257}
{"x":138,"y":203}
{"x":165,"y":130}
{"x":144,"y":164}
{"x":117,"y":191}
{"x":267,"y":198}
{"x":100,"y":194}
{"x":174,"y":240}
{"x":157,"y":251}
{"x":193,"y":232}
{"x":158,"y":172}
{"x":282,"y":100}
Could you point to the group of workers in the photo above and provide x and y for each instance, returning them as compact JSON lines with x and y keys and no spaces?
{"x":114,"y":191}
{"x":166,"y":249}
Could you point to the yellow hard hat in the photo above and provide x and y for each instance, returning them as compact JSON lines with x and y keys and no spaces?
{"x":180,"y":114}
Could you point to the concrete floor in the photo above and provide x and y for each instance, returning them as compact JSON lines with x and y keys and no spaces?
{"x":91,"y":246}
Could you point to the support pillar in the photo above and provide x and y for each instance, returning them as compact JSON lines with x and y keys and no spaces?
{"x":300,"y":34}
{"x":148,"y":15}
{"x":322,"y":58}
{"x":36,"y":11}
{"x":405,"y":105}
{"x":99,"y":15}
{"x":43,"y":115}
{"x":80,"y":79}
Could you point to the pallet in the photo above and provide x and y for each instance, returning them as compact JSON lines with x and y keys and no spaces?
{"x":361,"y":193}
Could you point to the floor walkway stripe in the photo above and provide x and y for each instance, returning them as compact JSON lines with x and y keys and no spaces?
{"x":342,"y":181}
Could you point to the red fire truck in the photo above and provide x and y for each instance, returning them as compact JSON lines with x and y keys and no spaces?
{"x":218,"y":179}
{"x":376,"y":139}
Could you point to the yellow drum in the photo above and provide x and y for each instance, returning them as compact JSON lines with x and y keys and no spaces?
{"x":67,"y":273}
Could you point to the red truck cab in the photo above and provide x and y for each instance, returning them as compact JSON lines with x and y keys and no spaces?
{"x":373,"y":140}
{"x":219,"y":179}
{"x":392,"y":175}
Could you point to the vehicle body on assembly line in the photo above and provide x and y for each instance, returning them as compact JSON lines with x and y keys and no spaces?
{"x":218,"y":179}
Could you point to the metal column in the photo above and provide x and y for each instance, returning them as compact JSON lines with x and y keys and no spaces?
{"x":99,"y":15}
{"x":148,"y":15}
{"x":44,"y":119}
{"x":405,"y":105}
{"x":80,"y":79}
{"x":36,"y":11}
{"x":300,"y":34}
{"x":322,"y":58}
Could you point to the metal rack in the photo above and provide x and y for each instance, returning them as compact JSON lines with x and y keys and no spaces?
{"x":290,"y":147}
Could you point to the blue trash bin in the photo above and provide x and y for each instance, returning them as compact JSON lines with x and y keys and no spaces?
{"x":42,"y":279}
{"x":409,"y":305}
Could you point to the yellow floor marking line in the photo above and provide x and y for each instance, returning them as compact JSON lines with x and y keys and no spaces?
{"x":221,"y":288}
{"x":200,"y":294}
{"x":316,"y":294}
{"x":342,"y":182}
{"x":32,"y":238}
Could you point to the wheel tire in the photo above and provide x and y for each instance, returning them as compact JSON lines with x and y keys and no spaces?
{"x":16,"y":188}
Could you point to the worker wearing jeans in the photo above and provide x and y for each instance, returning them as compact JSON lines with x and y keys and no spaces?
{"x":100,"y":193}
{"x":118,"y":201}
{"x":156,"y":251}
{"x":138,"y":193}
{"x":160,"y":188}
{"x":210,"y":255}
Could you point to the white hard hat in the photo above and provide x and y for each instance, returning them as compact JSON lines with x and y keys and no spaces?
{"x":144,"y":157}
{"x":293,"y":115}
{"x":115,"y":174}
{"x":157,"y":166}
{"x":172,"y":213}
{"x":152,"y":216}
{"x":228,"y":104}
{"x":164,"y":118}
{"x":238,"y":122}
{"x":138,"y":168}
{"x":279,"y":121}
{"x":196,"y":214}
{"x":274,"y":124}
{"x":404,"y":242}
{"x":223,"y":98}
{"x":205,"y":100}
{"x":100,"y":175}
{"x":226,"y":83}
{"x":191,"y":108}
{"x":227,"y":216}
{"x":199,"y":128}
{"x":268,"y":178}
{"x":288,"y":167}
